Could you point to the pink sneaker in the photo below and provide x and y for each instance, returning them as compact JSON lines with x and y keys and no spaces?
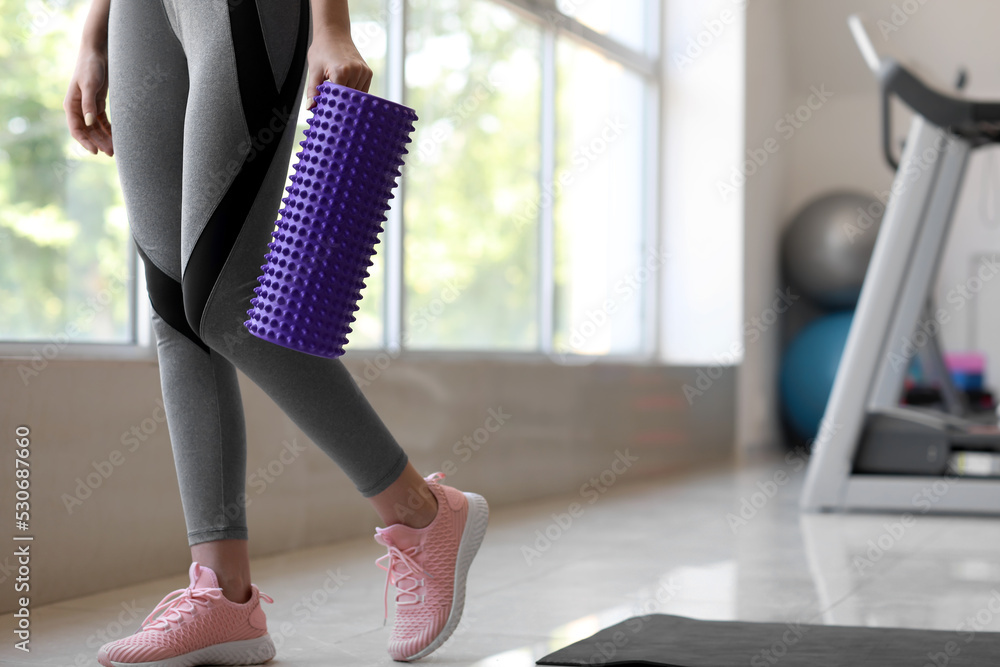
{"x":198,"y":626}
{"x":428,"y":567}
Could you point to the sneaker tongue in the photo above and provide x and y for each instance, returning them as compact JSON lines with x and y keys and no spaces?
{"x":403,"y":536}
{"x":202,"y":577}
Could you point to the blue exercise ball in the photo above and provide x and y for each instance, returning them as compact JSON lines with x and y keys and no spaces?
{"x":808,"y":369}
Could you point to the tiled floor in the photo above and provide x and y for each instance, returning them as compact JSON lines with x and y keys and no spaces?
{"x":675,"y":546}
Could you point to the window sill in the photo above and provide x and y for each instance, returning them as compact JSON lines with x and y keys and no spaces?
{"x":511,"y":356}
{"x":36,"y":350}
{"x":50,"y":351}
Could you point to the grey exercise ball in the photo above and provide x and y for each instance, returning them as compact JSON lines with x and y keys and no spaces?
{"x":827,"y":246}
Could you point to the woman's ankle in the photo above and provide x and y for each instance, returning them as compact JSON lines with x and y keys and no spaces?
{"x":425,"y":515}
{"x":236,"y":592}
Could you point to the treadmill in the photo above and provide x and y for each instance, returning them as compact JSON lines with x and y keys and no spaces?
{"x":873,"y":453}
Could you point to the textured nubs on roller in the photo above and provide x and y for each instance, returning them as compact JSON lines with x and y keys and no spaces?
{"x":329,"y":224}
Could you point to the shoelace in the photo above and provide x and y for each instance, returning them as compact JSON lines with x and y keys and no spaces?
{"x":174,"y":608}
{"x":408,"y":573}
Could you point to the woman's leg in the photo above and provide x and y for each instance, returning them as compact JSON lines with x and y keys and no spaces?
{"x":232,"y":180}
{"x":149,"y":80}
{"x":230,"y":560}
{"x":408,"y":500}
{"x":248,"y":66}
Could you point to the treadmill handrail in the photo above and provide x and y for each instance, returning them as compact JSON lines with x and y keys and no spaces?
{"x":864,"y":42}
{"x":973,"y":119}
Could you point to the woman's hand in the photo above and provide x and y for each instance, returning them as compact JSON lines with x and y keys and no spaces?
{"x":333,"y":56}
{"x":85,"y":101}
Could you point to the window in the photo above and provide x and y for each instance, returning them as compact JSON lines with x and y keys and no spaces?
{"x":470,"y":261}
{"x":67,"y":267}
{"x":625,"y":22}
{"x":600,"y":278}
{"x":522,"y":223}
{"x":526,"y":215}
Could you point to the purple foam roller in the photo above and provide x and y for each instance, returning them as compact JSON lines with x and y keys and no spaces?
{"x":329,"y":224}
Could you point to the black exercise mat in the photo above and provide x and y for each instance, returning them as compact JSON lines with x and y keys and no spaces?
{"x":675,"y":641}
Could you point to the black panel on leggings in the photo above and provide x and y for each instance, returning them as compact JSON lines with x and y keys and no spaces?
{"x":167,"y":299}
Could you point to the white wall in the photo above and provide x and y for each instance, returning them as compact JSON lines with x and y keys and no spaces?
{"x":974,"y":321}
{"x":701,"y":292}
{"x":764,"y":193}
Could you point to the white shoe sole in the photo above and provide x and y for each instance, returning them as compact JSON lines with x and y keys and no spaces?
{"x":472,"y":537}
{"x":244,"y":652}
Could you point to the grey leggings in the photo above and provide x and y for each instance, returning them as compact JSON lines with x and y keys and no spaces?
{"x":204,"y":96}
